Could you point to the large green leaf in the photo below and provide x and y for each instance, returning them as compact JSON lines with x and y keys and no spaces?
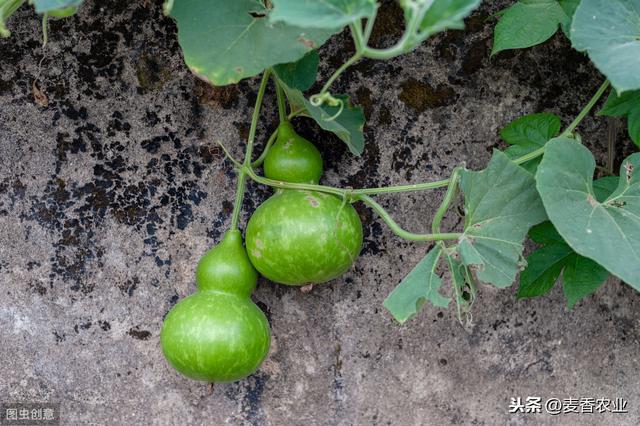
{"x":609,"y":31}
{"x":446,"y":14}
{"x":625,"y":105}
{"x":420,"y":285}
{"x":300,"y":74}
{"x":529,"y":22}
{"x":501,"y":204}
{"x":528,"y":133}
{"x":543,"y":269}
{"x":608,"y":231}
{"x":545,"y":233}
{"x":328,"y":14}
{"x":43,"y":6}
{"x":581,"y":276}
{"x":226,"y":41}
{"x":348,"y":125}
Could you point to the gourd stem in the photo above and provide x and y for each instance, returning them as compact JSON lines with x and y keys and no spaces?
{"x":282,"y":106}
{"x":359,"y":197}
{"x":587,"y":108}
{"x":356,"y":56}
{"x":342,"y":192}
{"x":45,"y":29}
{"x":571,"y":127}
{"x":356,"y":34}
{"x":403,"y":45}
{"x":265,"y":151}
{"x":242,"y":176}
{"x":448,"y":197}
{"x":288,"y":185}
{"x":368,"y":29}
{"x":397,"y":229}
{"x":229,"y":156}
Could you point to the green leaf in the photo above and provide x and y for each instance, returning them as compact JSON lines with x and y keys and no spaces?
{"x":348,"y":126}
{"x":543,"y":269}
{"x":501,"y":204}
{"x":605,"y":186}
{"x":633,"y":122}
{"x":609,"y":31}
{"x":625,"y":105}
{"x":530,"y":132}
{"x":527,"y":134}
{"x":527,"y":23}
{"x":300,"y":74}
{"x":231,"y":40}
{"x":328,"y":14}
{"x":446,"y":14}
{"x":420,"y":285}
{"x":621,"y":105}
{"x":569,"y":7}
{"x":581,"y":277}
{"x":43,"y":6}
{"x":607,"y":232}
{"x":545,"y":233}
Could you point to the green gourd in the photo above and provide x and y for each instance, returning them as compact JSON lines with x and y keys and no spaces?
{"x":218,"y":334}
{"x":303,"y":237}
{"x":292,"y":158}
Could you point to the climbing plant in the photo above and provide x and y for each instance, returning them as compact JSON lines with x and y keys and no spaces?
{"x":542,"y":187}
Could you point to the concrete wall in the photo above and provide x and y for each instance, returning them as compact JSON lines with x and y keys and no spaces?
{"x":111,"y":192}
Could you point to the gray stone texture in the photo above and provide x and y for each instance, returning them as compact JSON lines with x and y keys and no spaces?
{"x":111,"y":192}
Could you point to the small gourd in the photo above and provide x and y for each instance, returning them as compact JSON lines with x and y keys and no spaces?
{"x":218,"y":334}
{"x":292,"y":158}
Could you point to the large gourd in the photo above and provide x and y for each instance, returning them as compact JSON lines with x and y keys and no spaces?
{"x":301,"y":237}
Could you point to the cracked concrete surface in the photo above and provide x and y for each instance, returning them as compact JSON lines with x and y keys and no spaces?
{"x":111,"y":192}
